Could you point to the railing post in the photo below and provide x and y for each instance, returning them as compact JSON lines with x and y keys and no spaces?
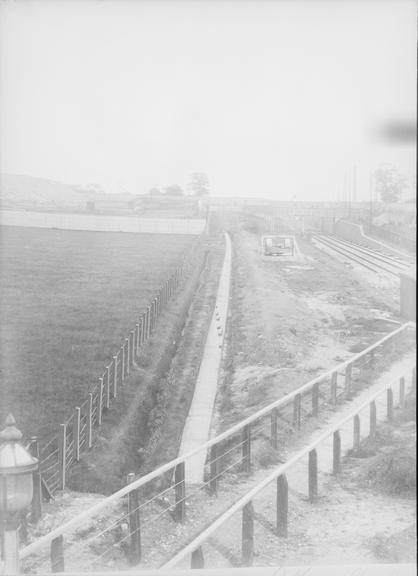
{"x":282,"y":498}
{"x":90,"y":421}
{"x":198,"y":560}
{"x":389,"y":399}
{"x":76,"y":434}
{"x":297,"y":408}
{"x":115,"y":376}
{"x":336,"y":453}
{"x":100,"y":402}
{"x":246,"y":448}
{"x":36,"y":511}
{"x":180,"y":493}
{"x":333,"y":399}
{"x":273,"y":427}
{"x":402,"y":393}
{"x":62,"y":454}
{"x":315,"y":399}
{"x":356,"y":433}
{"x":214,"y":467}
{"x":134,"y":524}
{"x":372,"y":419}
{"x":57,"y":554}
{"x":313,"y":475}
{"x":348,"y":380}
{"x":248,"y":534}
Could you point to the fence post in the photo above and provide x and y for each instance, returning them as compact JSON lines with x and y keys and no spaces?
{"x":198,"y":560}
{"x":138,"y":335}
{"x":90,"y":421}
{"x":372,"y":419}
{"x":57,"y":554}
{"x":128,"y":355}
{"x":132,"y":353}
{"x":134,"y":524}
{"x":334,"y":388}
{"x":180,"y":493}
{"x":297,"y":405}
{"x":336,"y":453}
{"x":246,"y":448}
{"x":348,"y":379}
{"x":315,"y":399}
{"x":282,"y":498}
{"x":213,"y":480}
{"x":313,"y":475}
{"x":248,"y":534}
{"x":107,"y":397}
{"x":402,"y":392}
{"x":122,"y":373}
{"x":36,"y":511}
{"x":100,"y":402}
{"x":356,"y":433}
{"x":389,"y":399}
{"x":273,"y":427}
{"x":148,"y":322}
{"x":115,"y":376}
{"x":76,"y":434}
{"x":62,"y":453}
{"x":143,"y":318}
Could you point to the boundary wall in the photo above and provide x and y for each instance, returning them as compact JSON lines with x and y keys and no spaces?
{"x":355,"y":233}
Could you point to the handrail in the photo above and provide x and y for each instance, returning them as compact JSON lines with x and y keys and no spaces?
{"x":239,"y":504}
{"x":47,"y":538}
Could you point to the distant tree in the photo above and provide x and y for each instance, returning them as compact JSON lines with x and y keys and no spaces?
{"x":390,"y":183}
{"x":173,"y":190}
{"x":154,"y":192}
{"x":199,"y":184}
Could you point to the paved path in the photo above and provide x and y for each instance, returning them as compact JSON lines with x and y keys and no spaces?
{"x":197,"y":427}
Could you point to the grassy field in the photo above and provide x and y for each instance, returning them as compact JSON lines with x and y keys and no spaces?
{"x":66,"y":301}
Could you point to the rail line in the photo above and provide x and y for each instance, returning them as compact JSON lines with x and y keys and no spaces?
{"x":368,"y":258}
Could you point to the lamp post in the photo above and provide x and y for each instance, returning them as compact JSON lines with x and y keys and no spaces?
{"x":16,"y":490}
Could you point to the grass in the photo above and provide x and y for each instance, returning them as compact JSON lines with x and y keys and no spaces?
{"x":67,"y":299}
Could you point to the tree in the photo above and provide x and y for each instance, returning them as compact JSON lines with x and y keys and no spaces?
{"x":199,"y":184}
{"x":173,"y":190}
{"x":390,"y":183}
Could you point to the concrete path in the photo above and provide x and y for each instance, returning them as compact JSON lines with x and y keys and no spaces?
{"x":197,"y":428}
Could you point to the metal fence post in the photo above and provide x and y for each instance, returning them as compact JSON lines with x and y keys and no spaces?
{"x":57,"y":554}
{"x":62,"y":454}
{"x":336,"y":453}
{"x":313,"y":475}
{"x":100,"y":402}
{"x":248,"y":534}
{"x":356,"y":433}
{"x":134,"y":524}
{"x":334,"y":388}
{"x":90,"y":421}
{"x":76,"y":434}
{"x":282,"y":498}
{"x":115,"y":376}
{"x":180,"y":493}
{"x":372,"y":419}
{"x":315,"y":399}
{"x":246,"y":448}
{"x":36,"y":511}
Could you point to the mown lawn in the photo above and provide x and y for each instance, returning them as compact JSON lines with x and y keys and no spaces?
{"x":67,"y":298}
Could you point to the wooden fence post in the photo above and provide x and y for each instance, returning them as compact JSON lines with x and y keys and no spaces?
{"x":62,"y":454}
{"x":348,"y":380}
{"x":356,"y":433}
{"x":57,"y":554}
{"x":134,"y":524}
{"x":273,"y":428}
{"x":100,"y":402}
{"x":297,"y":410}
{"x":372,"y":419}
{"x":313,"y":475}
{"x":36,"y":511}
{"x":248,"y":534}
{"x":89,"y":430}
{"x":389,"y":403}
{"x":76,"y":434}
{"x":334,"y":388}
{"x":198,"y":560}
{"x":315,"y":399}
{"x":115,"y":376}
{"x":107,"y":396}
{"x":214,"y":467}
{"x":402,"y":393}
{"x":336,"y":453}
{"x":246,"y":448}
{"x":180,"y":493}
{"x":282,"y":499}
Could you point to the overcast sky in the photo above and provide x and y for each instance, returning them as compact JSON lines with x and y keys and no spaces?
{"x":269,"y":98}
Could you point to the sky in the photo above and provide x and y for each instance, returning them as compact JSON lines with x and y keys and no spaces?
{"x":271,"y":98}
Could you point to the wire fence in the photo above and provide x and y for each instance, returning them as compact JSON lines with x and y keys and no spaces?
{"x":164,"y":507}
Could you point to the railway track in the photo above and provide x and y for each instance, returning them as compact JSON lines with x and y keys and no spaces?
{"x":374,"y":260}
